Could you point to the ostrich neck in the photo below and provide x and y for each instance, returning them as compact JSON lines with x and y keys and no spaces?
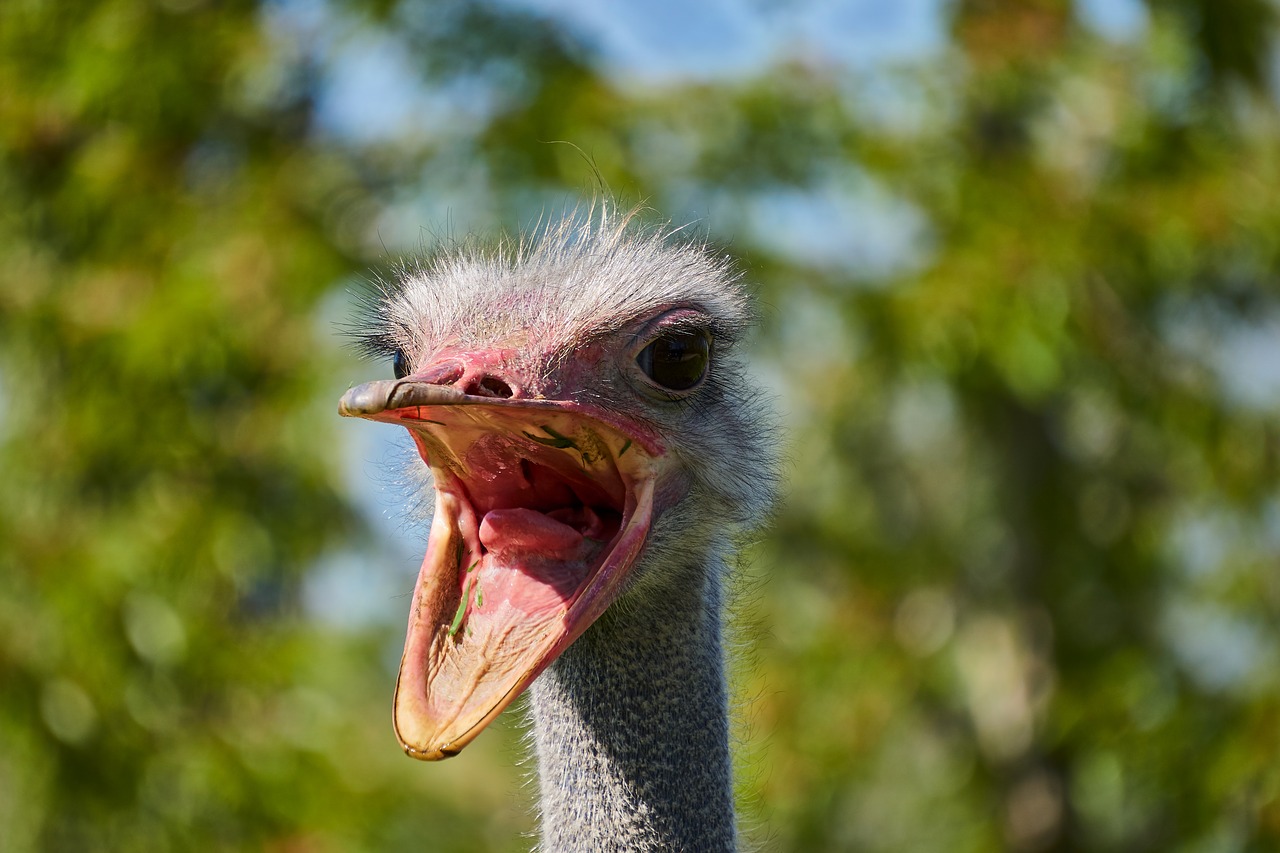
{"x":631,"y":729}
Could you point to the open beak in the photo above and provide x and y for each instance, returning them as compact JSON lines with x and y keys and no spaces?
{"x":542,"y":508}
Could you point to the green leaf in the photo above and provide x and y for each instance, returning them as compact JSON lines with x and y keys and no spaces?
{"x":556,"y":440}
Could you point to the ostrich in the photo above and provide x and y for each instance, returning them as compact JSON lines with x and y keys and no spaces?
{"x":596,"y":451}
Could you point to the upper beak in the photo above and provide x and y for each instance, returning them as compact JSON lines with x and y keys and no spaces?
{"x":373,"y":398}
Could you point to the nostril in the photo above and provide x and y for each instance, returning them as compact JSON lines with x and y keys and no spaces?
{"x":491,"y":386}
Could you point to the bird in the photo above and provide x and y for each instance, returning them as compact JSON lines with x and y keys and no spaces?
{"x":598,"y":452}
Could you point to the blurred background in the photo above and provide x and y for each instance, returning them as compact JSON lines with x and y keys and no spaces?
{"x":1018,"y":262}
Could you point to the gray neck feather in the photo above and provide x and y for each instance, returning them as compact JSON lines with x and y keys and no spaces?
{"x":631,"y":728}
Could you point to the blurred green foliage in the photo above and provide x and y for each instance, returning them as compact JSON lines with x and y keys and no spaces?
{"x":1024,"y":593}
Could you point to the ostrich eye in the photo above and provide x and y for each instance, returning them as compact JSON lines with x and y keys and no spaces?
{"x":400,"y":364}
{"x":677,"y":360}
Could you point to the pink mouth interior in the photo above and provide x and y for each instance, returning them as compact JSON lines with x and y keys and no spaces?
{"x":542,"y":527}
{"x":541,"y":513}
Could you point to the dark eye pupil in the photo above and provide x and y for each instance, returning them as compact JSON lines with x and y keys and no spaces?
{"x":400,"y":364}
{"x":677,"y":360}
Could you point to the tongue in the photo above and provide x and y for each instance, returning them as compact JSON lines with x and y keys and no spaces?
{"x":527,"y":530}
{"x":534,"y":562}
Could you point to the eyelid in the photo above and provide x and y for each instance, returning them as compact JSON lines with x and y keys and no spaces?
{"x":682,"y":319}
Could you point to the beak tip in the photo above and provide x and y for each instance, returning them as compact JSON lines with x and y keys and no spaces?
{"x":437,"y":753}
{"x":367,"y":399}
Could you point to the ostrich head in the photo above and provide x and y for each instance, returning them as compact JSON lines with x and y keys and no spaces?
{"x":579,"y":400}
